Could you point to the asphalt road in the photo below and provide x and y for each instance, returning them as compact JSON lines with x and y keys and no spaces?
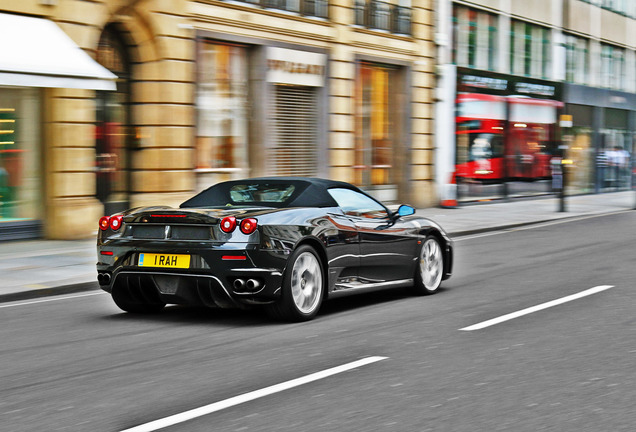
{"x":76,"y":363}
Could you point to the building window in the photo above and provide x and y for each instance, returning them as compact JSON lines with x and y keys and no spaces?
{"x":577,"y":60}
{"x":530,"y":48}
{"x":375,"y":111}
{"x":383,"y":15}
{"x":222,"y":95}
{"x":315,"y":8}
{"x":623,"y":7}
{"x":618,"y":69}
{"x":612,"y":67}
{"x":475,"y":38}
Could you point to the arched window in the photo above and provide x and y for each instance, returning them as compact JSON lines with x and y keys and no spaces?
{"x":112,"y":135}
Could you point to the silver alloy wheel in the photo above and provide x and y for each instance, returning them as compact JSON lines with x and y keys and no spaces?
{"x":431,"y":264}
{"x":306,"y":282}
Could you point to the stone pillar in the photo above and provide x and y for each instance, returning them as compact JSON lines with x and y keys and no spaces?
{"x":71,"y":209}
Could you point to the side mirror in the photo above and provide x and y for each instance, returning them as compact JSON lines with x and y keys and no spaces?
{"x":405,"y":210}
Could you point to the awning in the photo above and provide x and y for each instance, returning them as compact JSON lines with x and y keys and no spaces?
{"x":37,"y":53}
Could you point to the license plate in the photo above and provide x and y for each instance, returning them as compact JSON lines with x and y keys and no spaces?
{"x":164,"y":260}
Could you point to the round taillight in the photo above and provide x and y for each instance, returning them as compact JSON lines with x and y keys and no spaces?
{"x":104,"y":222}
{"x":228,"y":224}
{"x":115,"y":222}
{"x":248,"y":226}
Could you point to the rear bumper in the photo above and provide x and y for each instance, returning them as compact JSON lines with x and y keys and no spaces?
{"x":215,"y":277}
{"x":196,"y":289}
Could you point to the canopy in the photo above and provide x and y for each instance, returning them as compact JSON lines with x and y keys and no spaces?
{"x":37,"y":53}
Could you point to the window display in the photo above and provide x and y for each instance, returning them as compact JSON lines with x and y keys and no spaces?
{"x":222,"y":94}
{"x":20,"y":172}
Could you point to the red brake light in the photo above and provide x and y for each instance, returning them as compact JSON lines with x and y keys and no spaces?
{"x":228,"y":224}
{"x":104,"y":222}
{"x":248,"y":226}
{"x":115,"y":222}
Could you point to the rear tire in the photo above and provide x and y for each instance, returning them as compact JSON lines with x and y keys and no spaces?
{"x":139,"y":304}
{"x":430,"y":267}
{"x":303,"y":287}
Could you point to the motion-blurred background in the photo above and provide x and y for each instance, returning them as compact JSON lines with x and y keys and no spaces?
{"x":111,"y":104}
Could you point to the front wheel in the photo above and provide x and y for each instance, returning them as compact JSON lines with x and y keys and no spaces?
{"x":303,"y":287}
{"x":430,"y":267}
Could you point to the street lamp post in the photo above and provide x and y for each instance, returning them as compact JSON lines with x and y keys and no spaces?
{"x":565,"y":123}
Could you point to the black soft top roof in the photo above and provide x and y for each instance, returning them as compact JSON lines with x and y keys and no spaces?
{"x":308,"y":192}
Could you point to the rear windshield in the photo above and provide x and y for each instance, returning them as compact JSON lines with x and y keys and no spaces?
{"x":249,"y":194}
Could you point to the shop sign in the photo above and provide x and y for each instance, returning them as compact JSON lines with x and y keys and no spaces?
{"x":484,"y":82}
{"x":535,"y":89}
{"x":473,"y":81}
{"x":565,"y":121}
{"x":294,"y":67}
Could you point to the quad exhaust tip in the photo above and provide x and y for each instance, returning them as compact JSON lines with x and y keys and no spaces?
{"x":239,"y":284}
{"x":249,"y":285}
{"x":253,"y":284}
{"x":103,"y":278}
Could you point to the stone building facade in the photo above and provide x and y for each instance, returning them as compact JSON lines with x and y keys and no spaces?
{"x":210,"y":90}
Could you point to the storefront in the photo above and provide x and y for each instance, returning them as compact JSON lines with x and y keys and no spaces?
{"x":21,"y":180}
{"x":296,"y":80}
{"x":601,"y":141}
{"x":506,"y":135}
{"x":37,"y":56}
{"x":381,"y":128}
{"x":260,"y":110}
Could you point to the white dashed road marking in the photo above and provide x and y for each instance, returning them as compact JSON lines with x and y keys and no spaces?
{"x":237,"y":400}
{"x":537,"y":308}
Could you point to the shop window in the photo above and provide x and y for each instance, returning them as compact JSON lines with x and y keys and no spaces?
{"x":222,"y":95}
{"x":480,"y":125}
{"x":20,"y":182}
{"x":615,"y":152}
{"x":375,"y":124}
{"x":475,"y":38}
{"x":581,"y":150}
{"x":530,"y":143}
{"x":505,"y":146}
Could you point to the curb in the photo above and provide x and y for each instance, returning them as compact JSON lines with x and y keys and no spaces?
{"x":49,"y":292}
{"x":454,"y":234}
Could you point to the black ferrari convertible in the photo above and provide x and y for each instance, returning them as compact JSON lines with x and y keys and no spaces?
{"x":285,"y":244}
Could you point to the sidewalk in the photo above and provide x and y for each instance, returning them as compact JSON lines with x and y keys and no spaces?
{"x":36,"y":268}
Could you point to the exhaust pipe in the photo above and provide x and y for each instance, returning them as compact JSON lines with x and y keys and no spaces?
{"x":103,"y":278}
{"x":239,"y":284}
{"x":253,"y":284}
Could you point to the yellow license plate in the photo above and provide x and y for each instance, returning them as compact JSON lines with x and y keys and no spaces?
{"x":164,"y":260}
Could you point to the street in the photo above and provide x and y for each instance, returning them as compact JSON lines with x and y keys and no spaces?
{"x":77,"y":363}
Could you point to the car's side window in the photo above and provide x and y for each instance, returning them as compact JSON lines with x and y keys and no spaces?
{"x":356,"y":204}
